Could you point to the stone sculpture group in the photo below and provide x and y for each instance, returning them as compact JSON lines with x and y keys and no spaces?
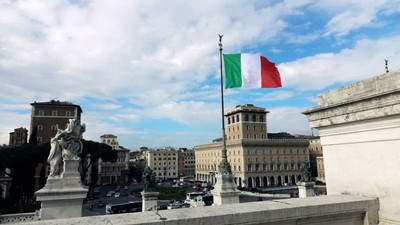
{"x":67,"y":145}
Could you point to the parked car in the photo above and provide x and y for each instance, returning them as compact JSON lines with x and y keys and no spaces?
{"x":117,"y":194}
{"x":162,"y":207}
{"x":110,"y":193}
{"x":125,"y":188}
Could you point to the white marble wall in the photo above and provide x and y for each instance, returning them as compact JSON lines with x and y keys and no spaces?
{"x":359,"y":125}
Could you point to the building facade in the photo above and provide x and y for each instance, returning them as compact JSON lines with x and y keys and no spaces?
{"x":47,"y":117}
{"x":18,"y":137}
{"x":321,"y":169}
{"x":164,"y":162}
{"x":186,"y":163}
{"x":315,"y":149}
{"x":256,"y":160}
{"x":247,"y":122}
{"x":117,"y":172}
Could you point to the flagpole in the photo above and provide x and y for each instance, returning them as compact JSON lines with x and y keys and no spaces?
{"x":224,"y":166}
{"x":224,"y":191}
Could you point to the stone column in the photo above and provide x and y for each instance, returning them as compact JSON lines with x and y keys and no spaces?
{"x":306,"y":189}
{"x":62,"y":197}
{"x":149,"y":200}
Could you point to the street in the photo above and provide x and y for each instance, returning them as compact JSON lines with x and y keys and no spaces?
{"x":102,"y":198}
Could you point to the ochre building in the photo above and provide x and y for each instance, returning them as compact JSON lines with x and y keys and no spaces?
{"x":256,"y":160}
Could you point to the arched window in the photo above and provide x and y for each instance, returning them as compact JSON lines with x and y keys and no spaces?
{"x":237,"y":118}
{"x":261,"y":118}
{"x":254,"y":118}
{"x":246,"y":117}
{"x":229,"y":120}
{"x":233,"y":119}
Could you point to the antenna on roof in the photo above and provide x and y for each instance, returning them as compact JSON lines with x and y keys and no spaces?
{"x":386,"y":65}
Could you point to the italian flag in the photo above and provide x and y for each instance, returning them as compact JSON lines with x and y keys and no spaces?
{"x":250,"y":70}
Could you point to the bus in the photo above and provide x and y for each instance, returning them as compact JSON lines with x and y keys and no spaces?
{"x":124,"y":207}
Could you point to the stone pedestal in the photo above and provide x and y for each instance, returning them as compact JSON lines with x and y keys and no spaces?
{"x":149,"y":201}
{"x":225,"y":191}
{"x":306,"y":189}
{"x":62,"y":197}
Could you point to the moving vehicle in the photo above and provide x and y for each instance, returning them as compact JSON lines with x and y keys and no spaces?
{"x":124,"y":207}
{"x":207,"y":198}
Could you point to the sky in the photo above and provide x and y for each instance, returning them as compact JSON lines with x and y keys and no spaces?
{"x":148,"y":71}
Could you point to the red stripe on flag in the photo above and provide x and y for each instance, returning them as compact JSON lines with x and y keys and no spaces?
{"x":270,"y":77}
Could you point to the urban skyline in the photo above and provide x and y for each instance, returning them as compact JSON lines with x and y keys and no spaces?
{"x":148,"y":72}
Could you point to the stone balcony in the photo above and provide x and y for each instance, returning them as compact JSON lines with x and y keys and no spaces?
{"x":339,"y":209}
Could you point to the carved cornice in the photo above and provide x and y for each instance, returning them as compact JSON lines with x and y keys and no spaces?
{"x":373,"y":98}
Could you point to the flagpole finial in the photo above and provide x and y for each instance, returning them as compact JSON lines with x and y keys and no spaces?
{"x":220,"y":41}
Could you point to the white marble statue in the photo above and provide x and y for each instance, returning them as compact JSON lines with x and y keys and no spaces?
{"x":66,"y":144}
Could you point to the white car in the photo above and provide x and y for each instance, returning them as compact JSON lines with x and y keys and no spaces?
{"x":117,"y":194}
{"x":110,"y":193}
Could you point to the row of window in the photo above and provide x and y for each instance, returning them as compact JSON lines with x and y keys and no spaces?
{"x":277,"y":151}
{"x":236,"y":119}
{"x":255,"y":167}
{"x":54,"y":113}
{"x":164,"y":168}
{"x":165,"y":174}
{"x":247,"y":128}
{"x":165,"y":163}
{"x":259,"y":152}
{"x":53,"y":127}
{"x":164,"y":154}
{"x":255,"y":136}
{"x":165,"y":158}
{"x":111,"y":169}
{"x":272,"y":159}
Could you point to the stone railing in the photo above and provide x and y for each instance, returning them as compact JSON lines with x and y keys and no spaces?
{"x":18,"y":218}
{"x":339,"y":209}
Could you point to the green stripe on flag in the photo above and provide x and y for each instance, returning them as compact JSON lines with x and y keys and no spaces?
{"x":233,"y":71}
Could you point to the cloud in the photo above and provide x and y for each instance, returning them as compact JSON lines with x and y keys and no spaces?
{"x":188,"y":112}
{"x":130,"y":62}
{"x":348,"y":16}
{"x":275,"y":96}
{"x":287,"y":119}
{"x":317,"y":72}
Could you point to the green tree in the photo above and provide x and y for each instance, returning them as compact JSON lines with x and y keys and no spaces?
{"x":22,"y":161}
{"x":90,"y":155}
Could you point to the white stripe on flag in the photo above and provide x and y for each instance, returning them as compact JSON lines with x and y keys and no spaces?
{"x":251,"y":70}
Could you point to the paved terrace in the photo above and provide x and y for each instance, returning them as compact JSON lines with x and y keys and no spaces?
{"x":338,"y":210}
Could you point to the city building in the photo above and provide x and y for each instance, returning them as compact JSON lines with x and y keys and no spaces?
{"x":186,"y":163}
{"x":47,"y":117}
{"x":321,"y":169}
{"x":138,"y":162}
{"x":118,"y":171}
{"x":315,"y":150}
{"x":164,"y":162}
{"x":18,"y":137}
{"x":257,"y":159}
